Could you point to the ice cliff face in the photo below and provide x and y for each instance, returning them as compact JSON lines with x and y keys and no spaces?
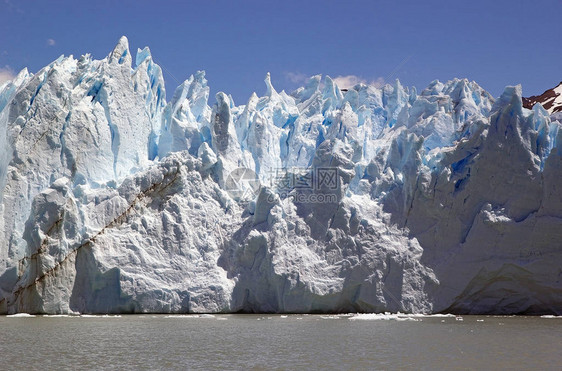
{"x":114,"y":200}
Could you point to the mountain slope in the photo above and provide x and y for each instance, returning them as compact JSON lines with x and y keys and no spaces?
{"x":551,"y":100}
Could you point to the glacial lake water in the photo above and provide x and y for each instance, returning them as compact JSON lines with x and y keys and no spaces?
{"x":263,"y":342}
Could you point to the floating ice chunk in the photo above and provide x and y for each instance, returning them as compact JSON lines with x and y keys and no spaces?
{"x":383,"y":317}
{"x":21,"y":315}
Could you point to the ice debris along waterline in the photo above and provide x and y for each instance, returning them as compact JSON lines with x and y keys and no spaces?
{"x":114,"y":200}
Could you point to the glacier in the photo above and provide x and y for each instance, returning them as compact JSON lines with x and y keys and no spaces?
{"x":114,"y":200}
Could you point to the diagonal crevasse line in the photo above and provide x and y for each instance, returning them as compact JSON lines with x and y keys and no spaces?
{"x":91,"y":240}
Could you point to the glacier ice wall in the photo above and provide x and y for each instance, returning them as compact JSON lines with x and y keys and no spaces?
{"x":371,"y":199}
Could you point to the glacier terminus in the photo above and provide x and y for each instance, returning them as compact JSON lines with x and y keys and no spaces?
{"x":115,"y":200}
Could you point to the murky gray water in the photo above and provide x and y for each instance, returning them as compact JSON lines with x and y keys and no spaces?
{"x":279,"y":342}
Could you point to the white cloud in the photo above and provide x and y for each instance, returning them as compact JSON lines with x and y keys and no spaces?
{"x":51,"y":42}
{"x":296,"y":77}
{"x":349,"y":81}
{"x":378,"y":82}
{"x":343,"y":82}
{"x":6,"y":74}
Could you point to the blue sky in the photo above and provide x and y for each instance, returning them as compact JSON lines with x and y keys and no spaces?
{"x":495,"y":43}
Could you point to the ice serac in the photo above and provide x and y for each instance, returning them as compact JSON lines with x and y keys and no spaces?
{"x":371,"y":199}
{"x":186,"y":118}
